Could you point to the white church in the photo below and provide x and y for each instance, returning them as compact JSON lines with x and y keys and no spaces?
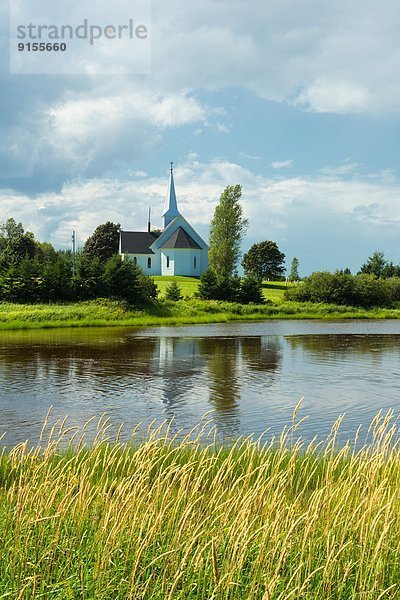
{"x":176,"y":250}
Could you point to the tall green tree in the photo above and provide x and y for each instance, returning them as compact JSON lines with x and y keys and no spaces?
{"x":264,"y":260}
{"x":18,"y":248}
{"x":103,"y":243}
{"x":377,"y":265}
{"x":228,"y":227}
{"x":9,"y":230}
{"x":294,"y":270}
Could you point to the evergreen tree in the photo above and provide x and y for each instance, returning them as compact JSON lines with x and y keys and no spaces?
{"x":251,"y":290}
{"x":375,"y":265}
{"x":57,"y":280}
{"x":208,"y":286}
{"x":173,"y":292}
{"x":88,"y":282}
{"x":123,"y":279}
{"x":215,"y":287}
{"x":227,"y":229}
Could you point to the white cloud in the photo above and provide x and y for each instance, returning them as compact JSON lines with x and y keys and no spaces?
{"x":343,"y":169}
{"x":325,"y":95}
{"x":281,"y":164}
{"x":326,"y":57}
{"x":82,"y":127}
{"x":339,"y":57}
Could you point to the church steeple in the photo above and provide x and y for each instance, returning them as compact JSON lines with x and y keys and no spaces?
{"x":171,"y":209}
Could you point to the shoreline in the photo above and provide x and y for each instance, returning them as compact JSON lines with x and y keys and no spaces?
{"x":113,"y":313}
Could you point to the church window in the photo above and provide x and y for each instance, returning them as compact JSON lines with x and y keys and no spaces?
{"x":195,"y":262}
{"x":149,"y":262}
{"x":167,"y":262}
{"x":135,"y":260}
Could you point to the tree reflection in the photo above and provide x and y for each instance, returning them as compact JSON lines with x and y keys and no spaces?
{"x":224,"y":386}
{"x":343,"y":345}
{"x":262,"y":354}
{"x":139,"y":377}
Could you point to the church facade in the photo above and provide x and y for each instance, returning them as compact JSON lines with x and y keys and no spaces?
{"x":175,"y":250}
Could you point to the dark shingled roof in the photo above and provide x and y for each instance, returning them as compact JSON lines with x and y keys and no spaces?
{"x":137,"y":242}
{"x":180,"y":239}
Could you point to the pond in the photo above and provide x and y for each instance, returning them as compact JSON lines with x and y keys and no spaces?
{"x":248,"y":377}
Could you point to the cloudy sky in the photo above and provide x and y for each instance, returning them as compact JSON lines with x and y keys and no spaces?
{"x":298,"y":102}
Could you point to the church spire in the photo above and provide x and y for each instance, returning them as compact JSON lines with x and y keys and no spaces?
{"x":171,"y":209}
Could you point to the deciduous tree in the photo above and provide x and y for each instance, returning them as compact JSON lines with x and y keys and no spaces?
{"x":104,"y":242}
{"x":294,"y":270}
{"x":264,"y":260}
{"x":228,"y":227}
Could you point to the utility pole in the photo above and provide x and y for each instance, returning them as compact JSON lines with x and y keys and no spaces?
{"x":73,"y":252}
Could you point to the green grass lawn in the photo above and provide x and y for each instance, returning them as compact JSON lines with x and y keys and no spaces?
{"x":273,"y":290}
{"x":188,"y":285}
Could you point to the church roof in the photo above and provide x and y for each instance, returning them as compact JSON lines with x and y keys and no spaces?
{"x":137,"y":242}
{"x":180,"y":239}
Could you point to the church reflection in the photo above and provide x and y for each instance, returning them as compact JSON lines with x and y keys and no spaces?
{"x":184,"y":377}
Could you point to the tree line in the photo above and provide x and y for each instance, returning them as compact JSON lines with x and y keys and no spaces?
{"x":32,"y":271}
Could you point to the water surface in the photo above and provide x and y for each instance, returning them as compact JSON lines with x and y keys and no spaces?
{"x":249,"y":375}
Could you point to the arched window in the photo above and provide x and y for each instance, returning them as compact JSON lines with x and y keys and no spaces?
{"x":149,"y":262}
{"x":135,"y":260}
{"x":167,"y":262}
{"x":195,"y":262}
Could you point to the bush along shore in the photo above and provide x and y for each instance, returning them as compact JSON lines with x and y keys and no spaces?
{"x":112,"y":313}
{"x":164,"y":518}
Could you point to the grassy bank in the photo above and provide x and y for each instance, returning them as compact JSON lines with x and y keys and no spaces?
{"x":108,"y":313}
{"x":163,"y":519}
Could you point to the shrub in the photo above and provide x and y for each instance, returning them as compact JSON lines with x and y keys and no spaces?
{"x":230,"y":289}
{"x":363,"y":290}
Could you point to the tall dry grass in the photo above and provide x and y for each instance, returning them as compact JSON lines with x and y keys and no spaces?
{"x":162,"y":518}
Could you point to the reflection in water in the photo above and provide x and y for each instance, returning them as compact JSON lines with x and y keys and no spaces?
{"x":262,"y":353}
{"x":223,"y":355}
{"x":327,"y":345}
{"x":136,"y":378}
{"x":251,"y":383}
